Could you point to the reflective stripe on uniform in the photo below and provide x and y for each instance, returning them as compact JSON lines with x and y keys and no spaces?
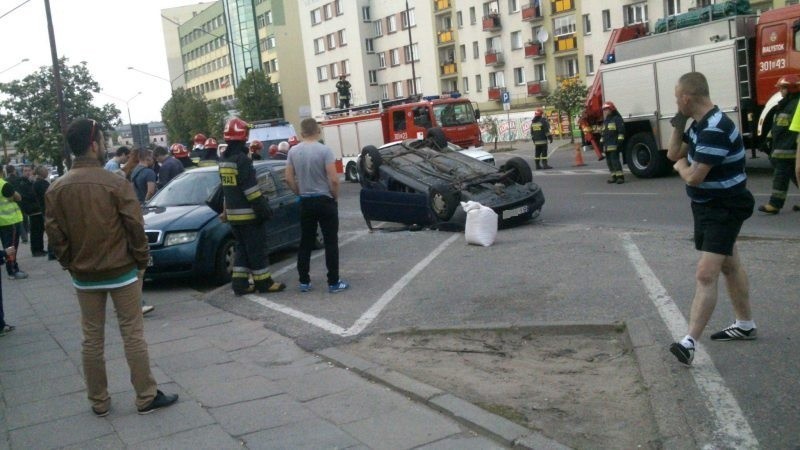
{"x":261,"y":274}
{"x":252,"y":193}
{"x":783,"y":154}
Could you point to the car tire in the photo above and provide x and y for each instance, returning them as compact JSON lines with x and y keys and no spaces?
{"x":370,"y":162}
{"x":644,"y":158}
{"x":522,"y":173}
{"x":443,"y":202}
{"x":351,"y":172}
{"x":223,"y":263}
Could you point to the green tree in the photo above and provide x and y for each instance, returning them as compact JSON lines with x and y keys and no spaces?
{"x":257,"y":98}
{"x":569,"y":98}
{"x":217,"y":114}
{"x":185,"y":114}
{"x":31,"y":110}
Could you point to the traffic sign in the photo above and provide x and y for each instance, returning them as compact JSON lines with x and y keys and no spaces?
{"x":506,"y":97}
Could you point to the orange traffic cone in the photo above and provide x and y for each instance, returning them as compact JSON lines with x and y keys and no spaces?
{"x":578,"y":156}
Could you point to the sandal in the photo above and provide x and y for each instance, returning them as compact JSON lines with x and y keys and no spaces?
{"x":7,"y":329}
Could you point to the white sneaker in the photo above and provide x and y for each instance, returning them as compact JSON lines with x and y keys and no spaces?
{"x":147,"y":309}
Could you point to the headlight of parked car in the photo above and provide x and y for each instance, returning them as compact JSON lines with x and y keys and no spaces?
{"x":180,"y":238}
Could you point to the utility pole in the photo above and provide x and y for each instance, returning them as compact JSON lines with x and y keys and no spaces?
{"x":62,"y":115}
{"x":411,"y":51}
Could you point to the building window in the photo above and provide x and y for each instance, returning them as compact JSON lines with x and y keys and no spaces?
{"x":335,"y":70}
{"x":346,"y":67}
{"x":478,"y":83}
{"x":394,"y":57}
{"x":570,"y":67}
{"x":270,"y":42}
{"x":342,"y":38}
{"x":476,"y":52}
{"x":564,"y":25}
{"x":497,"y":79}
{"x":382,"y":60}
{"x":378,"y":28}
{"x":492,"y":7}
{"x":587,"y":25}
{"x":369,"y":45}
{"x":673,"y":7}
{"x":391,"y":24}
{"x":516,"y":40}
{"x":606,"y":20}
{"x":322,"y":73}
{"x":365,"y":14}
{"x":472,"y":18}
{"x":636,"y":13}
{"x":385,"y":91}
{"x":513,"y":5}
{"x":539,"y":73}
{"x":411,"y":52}
{"x":373,"y":77}
{"x":327,"y":11}
{"x":465,"y":84}
{"x":589,"y":65}
{"x":319,"y":45}
{"x":519,"y":76}
{"x":325,"y":101}
{"x":404,"y":19}
{"x":331,"y":39}
{"x":397,"y":89}
{"x":463,"y":50}
{"x":337,"y":7}
{"x":316,"y":16}
{"x":268,"y":17}
{"x":460,"y":19}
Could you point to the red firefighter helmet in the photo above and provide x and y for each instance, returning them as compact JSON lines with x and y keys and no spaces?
{"x":256,"y":146}
{"x":293,"y":141}
{"x":199,"y":138}
{"x":538,"y":113}
{"x":236,"y":129}
{"x":273,"y":150}
{"x":211,"y":143}
{"x":179,"y":150}
{"x":609,"y":105}
{"x":791,"y":82}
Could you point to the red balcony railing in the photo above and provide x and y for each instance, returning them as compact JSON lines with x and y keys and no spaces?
{"x":531,"y":13}
{"x":495,"y":93}
{"x":536,"y":88}
{"x":493,"y":58}
{"x":491,"y":22}
{"x":534,"y":50}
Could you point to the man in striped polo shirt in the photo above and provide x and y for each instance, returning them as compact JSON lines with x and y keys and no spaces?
{"x":710,"y":157}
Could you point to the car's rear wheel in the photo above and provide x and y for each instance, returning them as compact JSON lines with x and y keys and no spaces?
{"x":443,"y":201}
{"x":520,"y":170}
{"x":351,"y":172}
{"x":370,"y":162}
{"x":223,"y":263}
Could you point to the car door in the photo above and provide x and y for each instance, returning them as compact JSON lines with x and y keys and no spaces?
{"x":283,"y":229}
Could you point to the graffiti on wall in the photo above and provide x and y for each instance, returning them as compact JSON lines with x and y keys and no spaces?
{"x":516,"y":126}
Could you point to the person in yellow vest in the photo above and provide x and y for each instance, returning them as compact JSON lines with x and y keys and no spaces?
{"x":10,"y":216}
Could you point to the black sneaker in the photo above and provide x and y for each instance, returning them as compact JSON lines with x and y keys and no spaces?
{"x":100,"y":413}
{"x":685,"y":355}
{"x":161,"y":401}
{"x":734,"y":333}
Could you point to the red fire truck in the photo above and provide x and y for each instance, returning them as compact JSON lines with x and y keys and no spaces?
{"x":347,"y":131}
{"x":742,"y":56}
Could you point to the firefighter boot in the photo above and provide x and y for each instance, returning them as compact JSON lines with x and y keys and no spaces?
{"x":546,"y":166}
{"x":241,"y":284}
{"x":268,"y":286}
{"x":620,"y":179}
{"x":612,"y":180}
{"x":769,"y":209}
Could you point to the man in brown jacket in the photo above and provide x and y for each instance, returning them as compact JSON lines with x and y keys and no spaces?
{"x":94,"y":223}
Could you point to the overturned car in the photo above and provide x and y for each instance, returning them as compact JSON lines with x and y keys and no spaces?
{"x":416,"y":182}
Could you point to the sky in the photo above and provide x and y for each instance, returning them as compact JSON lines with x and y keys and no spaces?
{"x":110,"y":35}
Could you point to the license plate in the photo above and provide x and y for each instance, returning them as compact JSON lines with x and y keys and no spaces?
{"x":150,"y":261}
{"x":509,"y":213}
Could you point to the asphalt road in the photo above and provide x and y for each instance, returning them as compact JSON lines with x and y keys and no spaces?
{"x":576,"y":263}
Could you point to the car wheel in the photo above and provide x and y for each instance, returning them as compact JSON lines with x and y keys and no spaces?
{"x":319,"y":241}
{"x":521,"y":171}
{"x":223,"y":264}
{"x":351,"y":173}
{"x":443,"y":202}
{"x":644,"y":158}
{"x":370,"y":162}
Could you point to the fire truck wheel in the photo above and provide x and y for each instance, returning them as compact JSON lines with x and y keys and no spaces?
{"x":443,"y":201}
{"x":351,"y":172}
{"x":370,"y":162}
{"x":644,"y":158}
{"x":521,"y":170}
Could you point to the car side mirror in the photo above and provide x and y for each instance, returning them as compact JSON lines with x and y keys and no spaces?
{"x":477,"y":114}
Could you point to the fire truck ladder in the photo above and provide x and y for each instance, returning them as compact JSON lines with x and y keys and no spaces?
{"x":745,"y":87}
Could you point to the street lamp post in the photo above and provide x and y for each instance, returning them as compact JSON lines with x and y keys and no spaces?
{"x":130,"y":122}
{"x":157,"y":76}
{"x":15,"y":65}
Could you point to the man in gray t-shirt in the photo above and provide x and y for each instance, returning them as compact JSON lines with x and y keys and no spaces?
{"x":311,"y":174}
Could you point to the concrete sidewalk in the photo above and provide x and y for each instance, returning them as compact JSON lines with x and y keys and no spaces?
{"x":240,"y":385}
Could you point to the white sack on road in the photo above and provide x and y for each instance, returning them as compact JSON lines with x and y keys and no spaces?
{"x":481,"y":226}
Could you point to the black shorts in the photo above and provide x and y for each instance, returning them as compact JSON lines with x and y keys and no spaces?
{"x":718,"y":221}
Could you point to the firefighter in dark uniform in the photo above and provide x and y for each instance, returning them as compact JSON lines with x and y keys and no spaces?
{"x":181,"y":154}
{"x":210,"y":156}
{"x":784,"y":144}
{"x":540,"y":135}
{"x":197,"y":149}
{"x":613,"y":138}
{"x":246,"y":210}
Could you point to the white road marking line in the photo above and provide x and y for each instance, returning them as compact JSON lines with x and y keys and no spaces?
{"x":319,"y":253}
{"x":374,"y":310}
{"x":733,"y":430}
{"x":620,"y":193}
{"x":389,"y":295}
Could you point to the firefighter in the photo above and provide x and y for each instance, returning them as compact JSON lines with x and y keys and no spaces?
{"x":197,"y":150}
{"x":255,"y":150}
{"x":246,"y":210}
{"x":784,"y":143}
{"x":540,"y":135}
{"x":181,"y":154}
{"x":210,"y":156}
{"x":613,"y":137}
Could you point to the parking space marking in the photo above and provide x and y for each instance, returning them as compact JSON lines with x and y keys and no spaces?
{"x":319,"y":253}
{"x":370,"y":314}
{"x":733,"y":430}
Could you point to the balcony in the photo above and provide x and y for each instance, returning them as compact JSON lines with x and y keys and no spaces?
{"x":495,"y":93}
{"x":446,"y":37}
{"x":534,"y":50}
{"x":559,"y":6}
{"x":531,"y":13}
{"x":565,"y":43}
{"x":537,"y":88}
{"x":494,"y":58}
{"x":491,"y":22}
{"x":448,"y":69}
{"x":441,"y":5}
